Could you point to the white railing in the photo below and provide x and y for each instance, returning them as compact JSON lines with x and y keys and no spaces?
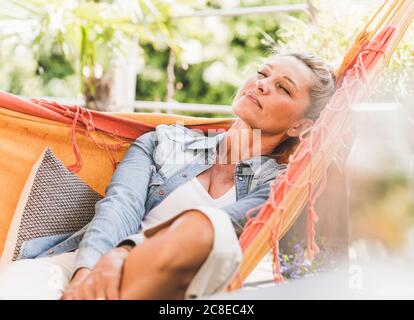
{"x":156,"y":106}
{"x":232,"y":12}
{"x":173,"y":107}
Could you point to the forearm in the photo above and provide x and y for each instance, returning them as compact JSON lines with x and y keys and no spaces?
{"x":121,"y":211}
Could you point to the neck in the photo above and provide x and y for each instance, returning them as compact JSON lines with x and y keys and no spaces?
{"x":242,"y":142}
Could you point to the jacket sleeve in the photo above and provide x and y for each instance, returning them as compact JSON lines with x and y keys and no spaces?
{"x":120,"y":213}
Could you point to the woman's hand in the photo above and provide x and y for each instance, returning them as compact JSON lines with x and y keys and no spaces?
{"x":103,"y":282}
{"x":79,"y":277}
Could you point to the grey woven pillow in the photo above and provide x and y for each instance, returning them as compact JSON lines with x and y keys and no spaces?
{"x":54,"y":201}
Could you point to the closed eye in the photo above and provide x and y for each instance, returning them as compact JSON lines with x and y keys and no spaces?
{"x":259,"y":73}
{"x":278,"y":85}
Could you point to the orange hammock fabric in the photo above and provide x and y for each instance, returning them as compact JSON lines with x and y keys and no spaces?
{"x":90,"y":143}
{"x":89,"y":148}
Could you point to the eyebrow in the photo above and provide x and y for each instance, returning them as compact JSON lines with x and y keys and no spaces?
{"x":285,"y":77}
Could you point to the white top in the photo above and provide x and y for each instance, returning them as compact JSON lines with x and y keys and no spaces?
{"x":185,"y":197}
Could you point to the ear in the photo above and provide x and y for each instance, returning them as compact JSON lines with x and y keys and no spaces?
{"x":300,"y":126}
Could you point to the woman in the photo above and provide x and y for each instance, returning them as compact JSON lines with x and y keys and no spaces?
{"x":168,"y":225}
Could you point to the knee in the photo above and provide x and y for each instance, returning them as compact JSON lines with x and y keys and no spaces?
{"x":195,"y":227}
{"x":188,"y":242}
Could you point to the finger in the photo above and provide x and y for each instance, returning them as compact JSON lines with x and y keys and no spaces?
{"x":80,"y":275}
{"x":100,"y":289}
{"x":73,"y":287}
{"x":113,"y":288}
{"x":85,"y":291}
{"x":67,"y":295}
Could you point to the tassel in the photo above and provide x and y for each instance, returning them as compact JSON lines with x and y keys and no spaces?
{"x":313,"y":248}
{"x":277,"y":273}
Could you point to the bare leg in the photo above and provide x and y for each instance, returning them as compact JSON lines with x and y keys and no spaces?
{"x":163,"y":266}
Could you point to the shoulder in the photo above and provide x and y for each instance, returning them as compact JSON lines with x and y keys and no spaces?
{"x":274,"y":164}
{"x":263,"y":165}
{"x":269,"y":170}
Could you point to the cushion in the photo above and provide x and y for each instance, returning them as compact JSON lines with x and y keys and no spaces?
{"x":54,"y":201}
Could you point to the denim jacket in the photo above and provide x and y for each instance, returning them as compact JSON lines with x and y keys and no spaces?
{"x":154,"y":165}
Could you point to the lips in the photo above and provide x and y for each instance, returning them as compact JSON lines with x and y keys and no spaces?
{"x":253,"y":98}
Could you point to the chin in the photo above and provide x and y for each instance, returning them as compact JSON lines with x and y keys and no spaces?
{"x":247,"y":115}
{"x":240,"y":112}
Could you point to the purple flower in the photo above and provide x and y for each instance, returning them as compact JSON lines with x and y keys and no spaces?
{"x":297,"y":247}
{"x":294,"y":264}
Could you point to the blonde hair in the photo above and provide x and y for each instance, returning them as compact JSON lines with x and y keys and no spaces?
{"x":320,"y":93}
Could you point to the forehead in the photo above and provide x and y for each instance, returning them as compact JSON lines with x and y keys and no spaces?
{"x":291,"y":67}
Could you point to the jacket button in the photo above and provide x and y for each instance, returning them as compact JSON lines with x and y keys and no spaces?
{"x":51,"y":251}
{"x":184,"y":175}
{"x":162,"y":192}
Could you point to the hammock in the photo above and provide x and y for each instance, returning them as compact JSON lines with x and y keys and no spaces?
{"x":79,"y":137}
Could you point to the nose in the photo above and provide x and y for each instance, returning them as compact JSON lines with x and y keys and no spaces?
{"x":261,"y":86}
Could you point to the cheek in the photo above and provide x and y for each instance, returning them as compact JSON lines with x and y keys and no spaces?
{"x":281,"y":115}
{"x":279,"y":108}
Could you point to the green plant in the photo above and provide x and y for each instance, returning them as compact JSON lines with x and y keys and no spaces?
{"x":89,"y":34}
{"x":335,"y":28}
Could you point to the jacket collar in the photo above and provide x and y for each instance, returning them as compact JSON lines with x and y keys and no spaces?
{"x":204,"y":142}
{"x":210,"y":143}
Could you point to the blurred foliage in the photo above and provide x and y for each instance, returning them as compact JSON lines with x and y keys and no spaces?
{"x":54,"y":65}
{"x":336,"y":27}
{"x":61,"y":36}
{"x":60,"y":39}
